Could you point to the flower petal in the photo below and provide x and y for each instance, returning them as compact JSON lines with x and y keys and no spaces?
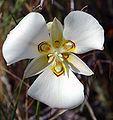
{"x":49,"y":24}
{"x":56,"y":33}
{"x":57,"y":92}
{"x":21,"y":42}
{"x":78,"y":66}
{"x":84,"y":30}
{"x":37,"y":66}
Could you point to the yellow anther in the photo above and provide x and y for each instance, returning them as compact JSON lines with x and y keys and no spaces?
{"x":50,"y":55}
{"x":60,"y":55}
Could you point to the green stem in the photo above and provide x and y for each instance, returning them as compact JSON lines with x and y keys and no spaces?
{"x":37,"y":111}
{"x":14,"y":112}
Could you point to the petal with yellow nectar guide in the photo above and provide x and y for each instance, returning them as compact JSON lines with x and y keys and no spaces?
{"x":65,"y":91}
{"x":83,"y":29}
{"x":21,"y":42}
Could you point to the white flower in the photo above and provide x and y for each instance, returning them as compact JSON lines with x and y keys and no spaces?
{"x":53,"y":48}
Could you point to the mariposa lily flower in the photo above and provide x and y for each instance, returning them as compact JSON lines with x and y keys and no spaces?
{"x":53,"y":48}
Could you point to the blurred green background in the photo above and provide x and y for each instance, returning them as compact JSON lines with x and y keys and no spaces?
{"x":98,"y":88}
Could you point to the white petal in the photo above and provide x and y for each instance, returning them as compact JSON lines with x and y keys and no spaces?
{"x":21,"y":42}
{"x":57,"y":92}
{"x":84,"y":30}
{"x":78,"y":66}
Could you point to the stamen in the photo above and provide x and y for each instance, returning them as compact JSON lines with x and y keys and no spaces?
{"x":60,"y":56}
{"x":50,"y":55}
{"x":50,"y":59}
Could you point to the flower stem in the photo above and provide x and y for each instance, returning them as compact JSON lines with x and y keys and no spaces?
{"x":37,"y":111}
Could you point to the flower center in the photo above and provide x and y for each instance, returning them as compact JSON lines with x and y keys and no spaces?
{"x":68,"y":45}
{"x":44,"y":47}
{"x":58,"y":67}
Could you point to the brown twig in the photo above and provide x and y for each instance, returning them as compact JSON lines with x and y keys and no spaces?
{"x":60,"y":112}
{"x":29,"y":8}
{"x":72,"y":5}
{"x":39,"y":6}
{"x":84,"y":7}
{"x":91,"y":111}
{"x":87,"y":94}
{"x":30,"y":104}
{"x":52,"y":1}
{"x":58,"y":5}
{"x":13,"y":75}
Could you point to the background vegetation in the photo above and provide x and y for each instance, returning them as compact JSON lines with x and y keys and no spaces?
{"x":16,"y":104}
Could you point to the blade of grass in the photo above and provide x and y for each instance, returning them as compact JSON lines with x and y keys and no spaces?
{"x":1,"y":3}
{"x":14,"y":19}
{"x":17,"y":6}
{"x":14,"y":111}
{"x":13,"y":12}
{"x":12,"y":99}
{"x":21,"y":84}
{"x":37,"y":111}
